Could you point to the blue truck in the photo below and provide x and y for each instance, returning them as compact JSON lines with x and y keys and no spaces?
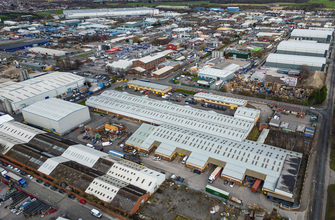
{"x":117,"y":154}
{"x":12,"y":177}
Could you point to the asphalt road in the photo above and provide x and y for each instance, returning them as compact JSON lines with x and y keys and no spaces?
{"x":319,"y":171}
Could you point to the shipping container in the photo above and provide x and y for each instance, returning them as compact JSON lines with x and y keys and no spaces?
{"x":256,"y":185}
{"x":117,"y":153}
{"x":216,"y":191}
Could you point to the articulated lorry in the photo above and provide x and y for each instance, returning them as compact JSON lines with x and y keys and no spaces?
{"x":214,"y":175}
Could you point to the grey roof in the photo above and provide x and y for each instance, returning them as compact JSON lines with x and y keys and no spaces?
{"x":295,"y":59}
{"x":140,"y":135}
{"x":310,"y":33}
{"x":306,"y":46}
{"x":263,"y":136}
{"x":247,"y":113}
{"x":238,"y":155}
{"x":102,"y":10}
{"x":149,"y":85}
{"x":159,"y":112}
{"x":220,"y":98}
{"x":53,"y":109}
{"x":51,"y":163}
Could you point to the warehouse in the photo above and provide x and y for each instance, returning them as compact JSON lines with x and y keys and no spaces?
{"x":150,"y":87}
{"x":284,"y":61}
{"x":206,"y":137}
{"x":118,"y":183}
{"x":48,"y":52}
{"x":150,"y":62}
{"x":303,"y":48}
{"x":18,"y":95}
{"x":110,"y":12}
{"x":316,"y":35}
{"x":247,"y":114}
{"x":56,"y":115}
{"x":238,"y":54}
{"x":163,"y":72}
{"x":231,"y":103}
{"x":226,"y":73}
{"x":21,"y":44}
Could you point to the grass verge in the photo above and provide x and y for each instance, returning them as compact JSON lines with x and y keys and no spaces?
{"x":82,"y":103}
{"x":180,"y":217}
{"x":185,"y":91}
{"x":119,"y":88}
{"x":330,"y":211}
{"x":85,"y":54}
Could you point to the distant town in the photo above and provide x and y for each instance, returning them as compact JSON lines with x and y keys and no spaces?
{"x":181,"y":110}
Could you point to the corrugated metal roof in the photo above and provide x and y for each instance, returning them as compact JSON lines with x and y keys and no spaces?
{"x":51,"y":163}
{"x":36,"y":86}
{"x":83,"y":155}
{"x":300,"y":60}
{"x":53,"y":109}
{"x":141,"y":134}
{"x":311,"y":33}
{"x":163,"y":70}
{"x":220,"y":98}
{"x":302,"y":45}
{"x":149,"y":85}
{"x":212,"y":71}
{"x":247,"y":113}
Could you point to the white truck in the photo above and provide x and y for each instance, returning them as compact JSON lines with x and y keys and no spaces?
{"x":96,"y":213}
{"x":214,"y":175}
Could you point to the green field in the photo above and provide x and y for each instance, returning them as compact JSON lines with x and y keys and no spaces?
{"x":328,"y":3}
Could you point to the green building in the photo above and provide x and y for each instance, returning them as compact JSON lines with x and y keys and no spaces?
{"x":238,"y":54}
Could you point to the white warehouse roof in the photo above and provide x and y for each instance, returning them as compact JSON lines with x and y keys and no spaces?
{"x":310,"y":33}
{"x":53,"y":109}
{"x":220,"y":98}
{"x":36,"y":86}
{"x":47,"y":51}
{"x":215,"y":72}
{"x":247,"y":113}
{"x":51,"y":163}
{"x":303,"y":46}
{"x":294,"y":59}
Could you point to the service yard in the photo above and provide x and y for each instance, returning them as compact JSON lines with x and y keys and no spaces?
{"x":173,"y":199}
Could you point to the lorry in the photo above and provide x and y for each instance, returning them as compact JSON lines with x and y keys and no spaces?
{"x":96,"y":213}
{"x":14,"y":178}
{"x":117,"y":153}
{"x":214,"y":175}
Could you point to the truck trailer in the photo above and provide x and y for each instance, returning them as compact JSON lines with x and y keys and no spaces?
{"x":14,"y":178}
{"x":117,"y":153}
{"x":256,"y":185}
{"x":216,"y":191}
{"x":214,"y":174}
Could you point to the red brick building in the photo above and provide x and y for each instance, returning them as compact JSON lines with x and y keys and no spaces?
{"x":150,"y":62}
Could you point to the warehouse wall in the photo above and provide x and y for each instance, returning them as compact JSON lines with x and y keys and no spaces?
{"x":311,"y":54}
{"x":294,"y":66}
{"x":40,"y":121}
{"x":73,"y":120}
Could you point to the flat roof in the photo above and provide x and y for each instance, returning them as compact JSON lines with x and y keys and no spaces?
{"x":226,"y":71}
{"x":247,"y":113}
{"x":140,"y":135}
{"x":149,"y":85}
{"x":9,"y":44}
{"x":48,"y":51}
{"x":163,"y":70}
{"x":220,"y":98}
{"x":312,"y":33}
{"x":53,"y":109}
{"x":149,"y":58}
{"x":27,"y":89}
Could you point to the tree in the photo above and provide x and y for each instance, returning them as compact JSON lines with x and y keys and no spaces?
{"x":136,"y":39}
{"x":318,"y":96}
{"x":203,"y":46}
{"x":254,"y":24}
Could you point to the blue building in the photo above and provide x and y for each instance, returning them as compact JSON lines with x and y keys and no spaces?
{"x":233,"y":9}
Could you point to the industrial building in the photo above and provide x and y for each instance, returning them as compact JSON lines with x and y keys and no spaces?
{"x":119,"y":184}
{"x":231,"y":103}
{"x":303,"y":48}
{"x":314,"y":35}
{"x":110,"y":12}
{"x":247,"y":114}
{"x":295,"y":62}
{"x":48,"y":52}
{"x":207,"y":138}
{"x":18,"y":95}
{"x":150,"y":62}
{"x":56,"y":115}
{"x":150,"y":87}
{"x":163,"y":72}
{"x":238,"y":54}
{"x":225,"y":72}
{"x":21,"y":44}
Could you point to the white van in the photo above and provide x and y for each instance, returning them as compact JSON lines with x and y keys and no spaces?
{"x":96,"y":213}
{"x":90,"y":145}
{"x":106,"y":143}
{"x":184,"y":160}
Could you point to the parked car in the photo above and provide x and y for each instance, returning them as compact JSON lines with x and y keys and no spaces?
{"x":102,"y":115}
{"x":46,"y":184}
{"x":23,"y":173}
{"x":225,"y":182}
{"x":178,"y":178}
{"x":53,"y":188}
{"x":10,"y":166}
{"x":4,"y":164}
{"x":30,"y":177}
{"x":17,"y":170}
{"x":71,"y":196}
{"x":61,"y":191}
{"x":232,"y":184}
{"x":182,"y":180}
{"x":197,"y":172}
{"x":173,"y":176}
{"x":39,"y":181}
{"x":82,"y":201}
